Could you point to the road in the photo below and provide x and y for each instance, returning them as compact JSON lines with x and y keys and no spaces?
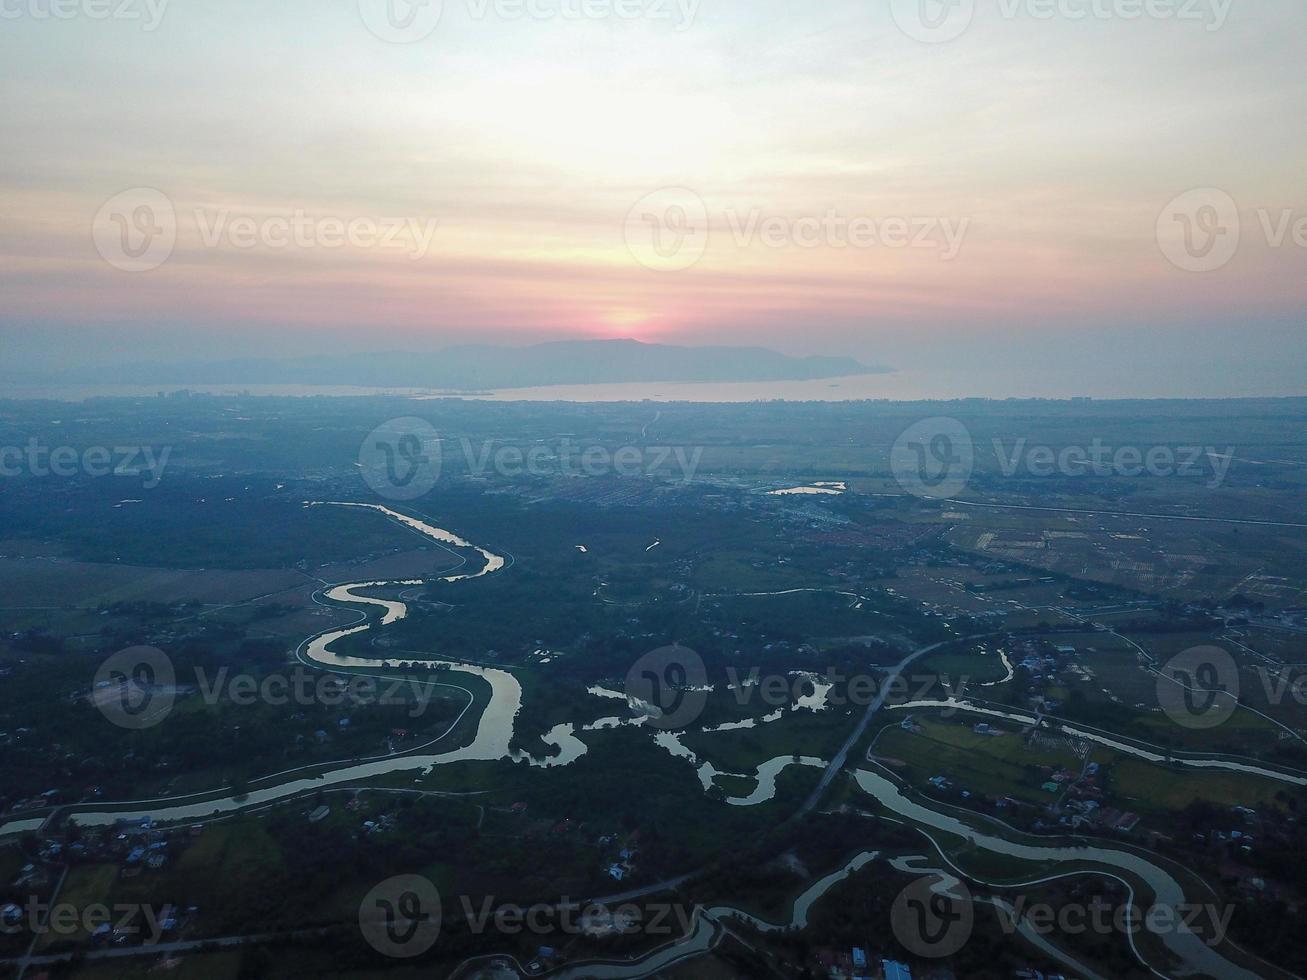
{"x":842,"y":757}
{"x":1120,"y":513}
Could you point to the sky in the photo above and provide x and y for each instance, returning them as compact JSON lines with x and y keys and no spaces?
{"x":1069,"y":188}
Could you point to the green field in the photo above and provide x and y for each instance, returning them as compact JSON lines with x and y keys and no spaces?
{"x":990,"y":765}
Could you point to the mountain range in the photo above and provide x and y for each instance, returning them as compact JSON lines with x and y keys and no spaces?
{"x":484,"y":367}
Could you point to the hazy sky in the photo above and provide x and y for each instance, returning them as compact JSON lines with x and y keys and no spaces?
{"x":1000,"y":192}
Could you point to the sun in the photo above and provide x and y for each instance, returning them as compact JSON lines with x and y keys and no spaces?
{"x":627,"y":323}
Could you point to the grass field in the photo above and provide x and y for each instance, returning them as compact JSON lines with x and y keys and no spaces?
{"x":978,"y":665}
{"x":991,"y":765}
{"x":1006,"y":766}
{"x":86,"y":886}
{"x":1144,"y":786}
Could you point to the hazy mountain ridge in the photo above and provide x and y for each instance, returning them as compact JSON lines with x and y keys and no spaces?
{"x":476,"y":367}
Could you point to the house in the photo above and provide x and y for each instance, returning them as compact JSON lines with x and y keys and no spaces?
{"x":895,"y":970}
{"x":833,"y":964}
{"x":1127,"y":823}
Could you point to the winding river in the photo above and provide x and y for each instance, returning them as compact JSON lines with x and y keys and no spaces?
{"x":492,"y":742}
{"x":1190,"y":947}
{"x":494,"y":729}
{"x":954,"y":704}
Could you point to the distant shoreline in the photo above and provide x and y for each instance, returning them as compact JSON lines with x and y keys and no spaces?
{"x":883,"y":388}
